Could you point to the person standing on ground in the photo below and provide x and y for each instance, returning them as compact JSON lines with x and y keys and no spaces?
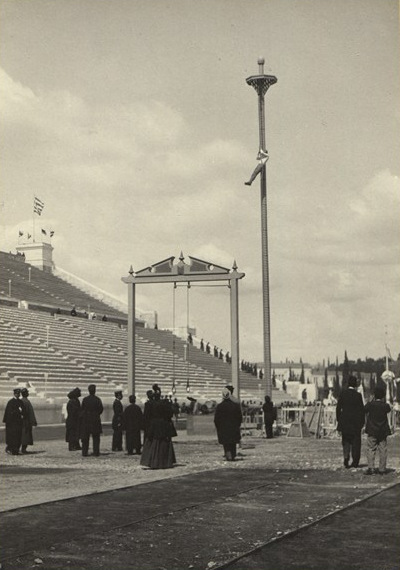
{"x":13,"y":418}
{"x":176,"y":409}
{"x":232,"y":397}
{"x":132,"y":423}
{"x":92,"y":408}
{"x":72,"y":423}
{"x":377,"y":429}
{"x":160,"y":453}
{"x":29,"y":421}
{"x":269,"y":416}
{"x":227,"y":420}
{"x":147,"y":413}
{"x":350,"y":417}
{"x":116,"y":424}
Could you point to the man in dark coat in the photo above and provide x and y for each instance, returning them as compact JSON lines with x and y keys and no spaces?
{"x":116,"y":423}
{"x":350,"y":417}
{"x":269,"y":416}
{"x":227,"y":420}
{"x":28,"y":423}
{"x":132,"y":423}
{"x":72,"y":422}
{"x":377,"y":429}
{"x":92,"y":408}
{"x":13,"y":418}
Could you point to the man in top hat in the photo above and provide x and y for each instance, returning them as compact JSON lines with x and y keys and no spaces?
{"x":28,"y":423}
{"x":13,"y":418}
{"x":117,"y":422}
{"x":92,"y":408}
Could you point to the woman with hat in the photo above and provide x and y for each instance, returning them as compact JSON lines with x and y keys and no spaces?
{"x":158,"y":451}
{"x":72,"y":422}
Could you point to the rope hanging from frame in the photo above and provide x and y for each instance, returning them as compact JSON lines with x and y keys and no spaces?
{"x":187,"y":339}
{"x":173,"y":340}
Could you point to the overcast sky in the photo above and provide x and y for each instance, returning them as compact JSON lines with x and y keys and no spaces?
{"x":132,"y":121}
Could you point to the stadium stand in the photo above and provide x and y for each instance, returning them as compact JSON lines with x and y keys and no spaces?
{"x":45,"y":348}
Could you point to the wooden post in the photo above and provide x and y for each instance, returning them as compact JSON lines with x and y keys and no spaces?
{"x":131,"y":338}
{"x":235,"y":336}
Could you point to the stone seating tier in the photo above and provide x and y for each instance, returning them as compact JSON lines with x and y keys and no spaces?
{"x":46,"y":288}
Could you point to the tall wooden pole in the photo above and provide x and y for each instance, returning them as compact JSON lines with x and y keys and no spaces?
{"x":261,"y":83}
{"x":234,"y":302}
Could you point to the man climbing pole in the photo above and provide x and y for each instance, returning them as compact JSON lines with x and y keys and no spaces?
{"x":262,"y":158}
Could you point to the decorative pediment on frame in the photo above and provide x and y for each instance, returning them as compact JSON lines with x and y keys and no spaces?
{"x":195,"y":266}
{"x":166,"y":271}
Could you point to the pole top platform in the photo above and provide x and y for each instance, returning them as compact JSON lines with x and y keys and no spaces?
{"x":261,"y":82}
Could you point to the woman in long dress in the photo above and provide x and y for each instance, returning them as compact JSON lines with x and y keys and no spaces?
{"x":160,"y":452}
{"x":72,"y":422}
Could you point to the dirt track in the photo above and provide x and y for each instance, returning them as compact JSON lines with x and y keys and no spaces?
{"x":197,"y":515}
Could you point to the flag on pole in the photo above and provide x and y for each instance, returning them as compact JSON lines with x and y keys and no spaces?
{"x":52,"y":233}
{"x":20,"y":233}
{"x":38,"y":206}
{"x":29,"y":236}
{"x":44,"y":232}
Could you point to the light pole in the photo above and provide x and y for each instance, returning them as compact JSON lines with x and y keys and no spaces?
{"x":29,"y":273}
{"x":261,"y":84}
{"x":47,"y":335}
{"x":9,"y":287}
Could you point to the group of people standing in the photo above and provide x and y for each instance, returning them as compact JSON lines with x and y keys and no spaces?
{"x":351,"y":415}
{"x":19,"y":418}
{"x":84,"y":421}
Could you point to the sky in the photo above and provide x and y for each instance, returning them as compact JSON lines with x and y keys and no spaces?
{"x":132,"y":121}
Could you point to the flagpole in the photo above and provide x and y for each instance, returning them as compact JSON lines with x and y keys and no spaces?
{"x":33,"y":219}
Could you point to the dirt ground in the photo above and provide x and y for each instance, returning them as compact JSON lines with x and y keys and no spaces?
{"x":109,"y":512}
